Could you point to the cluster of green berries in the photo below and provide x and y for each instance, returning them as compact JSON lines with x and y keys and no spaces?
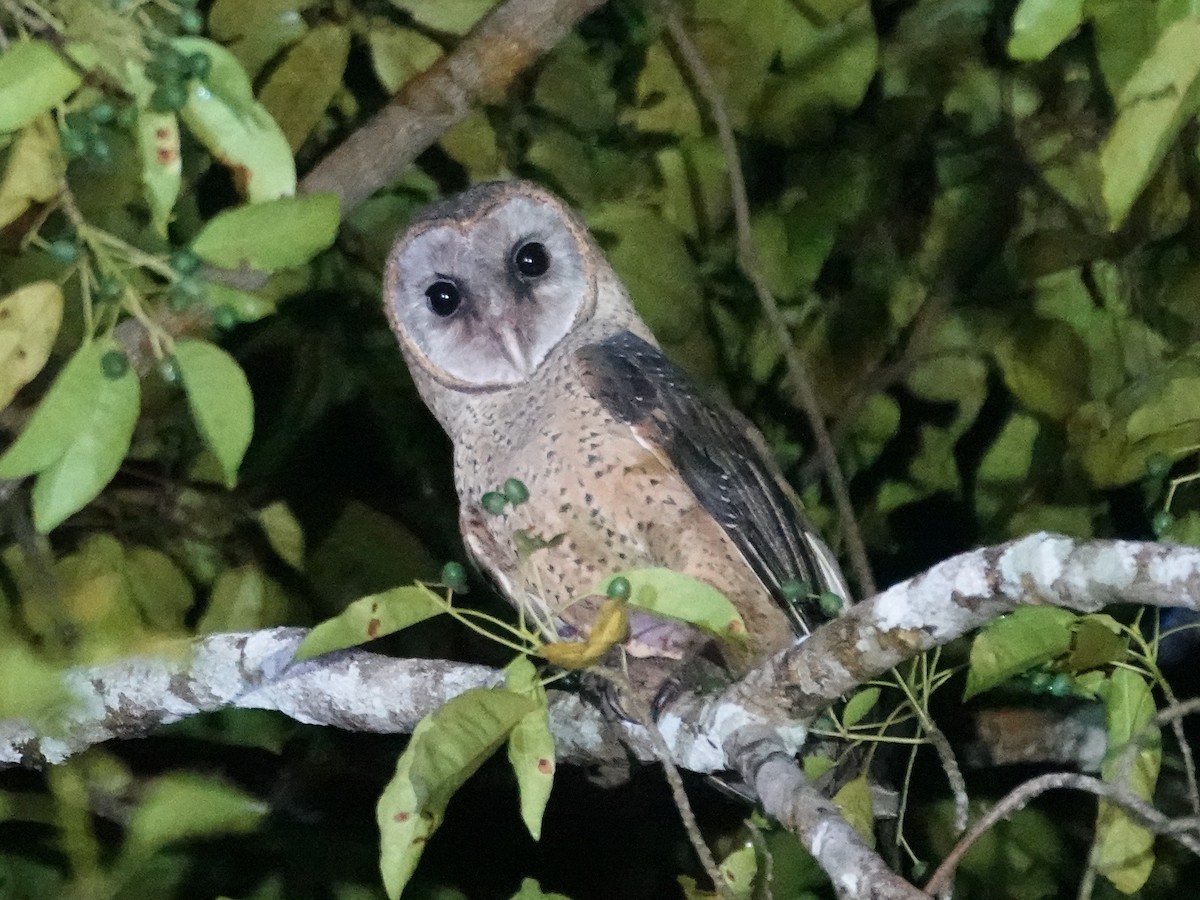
{"x":1158,"y":466}
{"x":87,"y":133}
{"x":171,"y":70}
{"x":514,"y":492}
{"x":794,"y":591}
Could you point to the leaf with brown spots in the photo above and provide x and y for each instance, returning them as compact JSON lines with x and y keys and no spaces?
{"x":370,"y":617}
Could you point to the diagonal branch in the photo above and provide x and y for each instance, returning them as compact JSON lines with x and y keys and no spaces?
{"x":502,"y":45}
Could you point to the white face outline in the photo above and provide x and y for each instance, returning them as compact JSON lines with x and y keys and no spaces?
{"x":506,"y":323}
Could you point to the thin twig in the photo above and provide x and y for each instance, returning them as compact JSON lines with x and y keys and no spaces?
{"x":1015,"y":800}
{"x":747,"y":254}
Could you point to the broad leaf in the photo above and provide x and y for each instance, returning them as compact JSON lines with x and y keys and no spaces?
{"x":666,"y":592}
{"x":220,"y":399}
{"x":1155,"y":104}
{"x":1124,"y":851}
{"x":372,"y":617}
{"x":271,"y":235}
{"x":162,"y":165}
{"x":1026,"y":637}
{"x":29,"y":321}
{"x":1041,"y":25}
{"x":222,"y":112}
{"x":531,"y":746}
{"x":33,"y":80}
{"x":180,"y":806}
{"x":303,"y":85}
{"x":34,"y":171}
{"x":446,"y":748}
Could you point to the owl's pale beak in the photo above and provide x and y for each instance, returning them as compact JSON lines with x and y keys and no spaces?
{"x":513,"y":351}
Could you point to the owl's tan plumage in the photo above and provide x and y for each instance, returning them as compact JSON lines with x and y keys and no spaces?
{"x":523,"y":342}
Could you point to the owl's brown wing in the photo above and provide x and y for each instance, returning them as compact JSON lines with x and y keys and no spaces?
{"x":710,"y":446}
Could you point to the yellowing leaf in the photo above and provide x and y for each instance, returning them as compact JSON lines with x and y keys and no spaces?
{"x":34,"y":170}
{"x":608,"y":629}
{"x":531,"y":746}
{"x":372,"y":617}
{"x":220,"y":399}
{"x":1155,"y":104}
{"x":283,"y":532}
{"x":33,"y":80}
{"x":162,"y":164}
{"x":854,"y":800}
{"x":243,"y":599}
{"x":223,"y":114}
{"x":446,"y":748}
{"x":270,"y":235}
{"x":666,"y":592}
{"x":304,"y":84}
{"x":29,"y":321}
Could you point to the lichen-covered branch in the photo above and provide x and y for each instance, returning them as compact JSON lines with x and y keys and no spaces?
{"x":502,"y":45}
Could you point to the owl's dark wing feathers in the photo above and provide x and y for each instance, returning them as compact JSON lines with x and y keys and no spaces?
{"x":709,"y":446}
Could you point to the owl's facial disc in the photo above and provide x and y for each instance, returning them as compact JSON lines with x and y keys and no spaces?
{"x":482,"y":301}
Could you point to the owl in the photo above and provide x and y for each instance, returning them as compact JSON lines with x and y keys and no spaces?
{"x":524,"y":344}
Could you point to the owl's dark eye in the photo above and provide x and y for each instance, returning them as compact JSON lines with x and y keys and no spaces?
{"x":532,"y":259}
{"x":444,"y":297}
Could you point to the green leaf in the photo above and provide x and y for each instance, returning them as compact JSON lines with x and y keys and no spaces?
{"x":446,"y":748}
{"x":654,"y":263}
{"x":531,"y":746}
{"x":162,"y":164}
{"x":1124,"y":850}
{"x":576,"y":86}
{"x":531,"y":890}
{"x":78,"y":436}
{"x":181,"y":806}
{"x":372,"y":617}
{"x":859,"y":705}
{"x":1155,"y":104}
{"x":304,"y":84}
{"x":1026,"y":637}
{"x":256,"y":30}
{"x":29,"y":321}
{"x":220,"y":399}
{"x":664,"y":102}
{"x":1099,"y":641}
{"x":1041,"y":25}
{"x":283,"y":532}
{"x":270,"y":235}
{"x":35,"y":168}
{"x":397,"y":54}
{"x":33,"y":80}
{"x":666,"y":592}
{"x":455,"y":16}
{"x":471,"y":142}
{"x":243,"y":599}
{"x":159,"y":588}
{"x":854,"y":800}
{"x":238,"y":131}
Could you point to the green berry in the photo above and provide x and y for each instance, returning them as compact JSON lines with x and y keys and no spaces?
{"x":793,"y":591}
{"x":1060,"y":685}
{"x":102,"y":113}
{"x":831,"y":604}
{"x":225,"y":316}
{"x":64,"y":250}
{"x":454,"y":576}
{"x":115,"y":364}
{"x":919,"y":868}
{"x":184,"y":293}
{"x":168,"y":64}
{"x":168,"y":368}
{"x":515,"y":491}
{"x":184,"y":261}
{"x":494,"y":502}
{"x":169,"y":96}
{"x":619,"y":588}
{"x":108,"y":287}
{"x":199,"y":65}
{"x":1162,"y":522}
{"x":191,"y":22}
{"x":1158,"y":465}
{"x":74,"y":143}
